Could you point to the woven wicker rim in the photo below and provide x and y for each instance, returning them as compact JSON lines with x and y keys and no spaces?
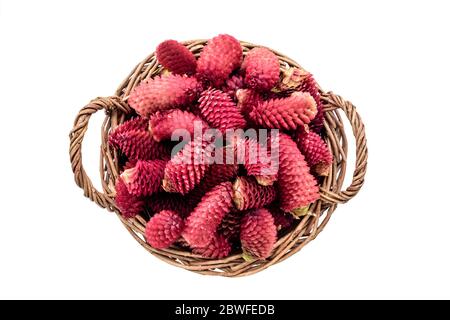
{"x":331,"y":191}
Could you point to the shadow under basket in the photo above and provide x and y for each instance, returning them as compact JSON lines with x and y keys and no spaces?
{"x":332,"y":192}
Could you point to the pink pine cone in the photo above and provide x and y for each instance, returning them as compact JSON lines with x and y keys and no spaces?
{"x":262,"y":69}
{"x":139,"y":145}
{"x":248,"y":194}
{"x":176,"y":58}
{"x":137,"y":123}
{"x":297,"y":187}
{"x":258,"y":234}
{"x":162,"y":93}
{"x":217,"y":248}
{"x":203,"y":222}
{"x":220,"y":56}
{"x":163,"y":229}
{"x":316,"y":152}
{"x":285,"y":113}
{"x":163,"y":124}
{"x":128,"y":204}
{"x":187,"y":168}
{"x":281,"y":219}
{"x":247,"y":99}
{"x":145,"y":177}
{"x":230,"y":227}
{"x":219,"y":110}
{"x":168,"y":201}
{"x":309,"y":85}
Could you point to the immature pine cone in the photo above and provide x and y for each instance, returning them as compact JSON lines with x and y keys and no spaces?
{"x":220,"y":56}
{"x":176,"y":58}
{"x":217,"y":248}
{"x":285,"y":113}
{"x":145,"y":177}
{"x":258,"y":234}
{"x":202,"y":223}
{"x":297,"y":187}
{"x":217,"y":108}
{"x":163,"y":124}
{"x":163,"y":229}
{"x":162,"y":93}
{"x":168,"y":201}
{"x":248,"y":194}
{"x":139,"y":145}
{"x":262,"y":69}
{"x":187,"y":168}
{"x":128,"y":204}
{"x":316,"y":152}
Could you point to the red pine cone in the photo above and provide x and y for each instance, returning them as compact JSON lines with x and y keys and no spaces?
{"x":230,"y":227}
{"x":163,"y":124}
{"x":217,"y":248}
{"x":248,"y":194}
{"x":217,"y":108}
{"x":168,"y":201}
{"x":202,"y":223}
{"x":162,"y":93}
{"x":262,"y":69}
{"x":217,"y":173}
{"x":145,"y":177}
{"x":140,"y":145}
{"x":281,"y":219}
{"x":309,"y":85}
{"x":316,"y":152}
{"x":232,"y":85}
{"x":137,"y":123}
{"x":285,"y":113}
{"x":220,"y":56}
{"x":176,"y":58}
{"x":297,"y":187}
{"x":128,"y":204}
{"x":187,"y":168}
{"x":258,"y":234}
{"x":163,"y":229}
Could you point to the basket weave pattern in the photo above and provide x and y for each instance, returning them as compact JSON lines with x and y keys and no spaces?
{"x":331,"y":190}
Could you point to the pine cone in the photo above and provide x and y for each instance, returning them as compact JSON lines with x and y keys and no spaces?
{"x":163,"y":229}
{"x":248,"y":194}
{"x":297,"y":187}
{"x":258,"y":234}
{"x":176,"y":58}
{"x":230,"y":227}
{"x":217,"y":108}
{"x":137,"y":123}
{"x":232,"y":85}
{"x":292,"y":79}
{"x":285,"y":113}
{"x":247,"y":99}
{"x":162,"y":93}
{"x":163,"y":124}
{"x":202,"y":223}
{"x":217,"y":248}
{"x":220,"y":56}
{"x":316,"y":152}
{"x":262,"y":69}
{"x":145,"y":177}
{"x":187,"y":168}
{"x":128,"y":204}
{"x":168,"y":201}
{"x":139,"y":145}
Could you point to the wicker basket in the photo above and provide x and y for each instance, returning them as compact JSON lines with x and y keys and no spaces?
{"x":331,"y":191}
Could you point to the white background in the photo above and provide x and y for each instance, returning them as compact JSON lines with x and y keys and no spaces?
{"x":390,"y":58}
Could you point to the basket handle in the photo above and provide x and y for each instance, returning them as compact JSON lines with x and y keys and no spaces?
{"x":76,"y":136}
{"x":333,"y":102}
